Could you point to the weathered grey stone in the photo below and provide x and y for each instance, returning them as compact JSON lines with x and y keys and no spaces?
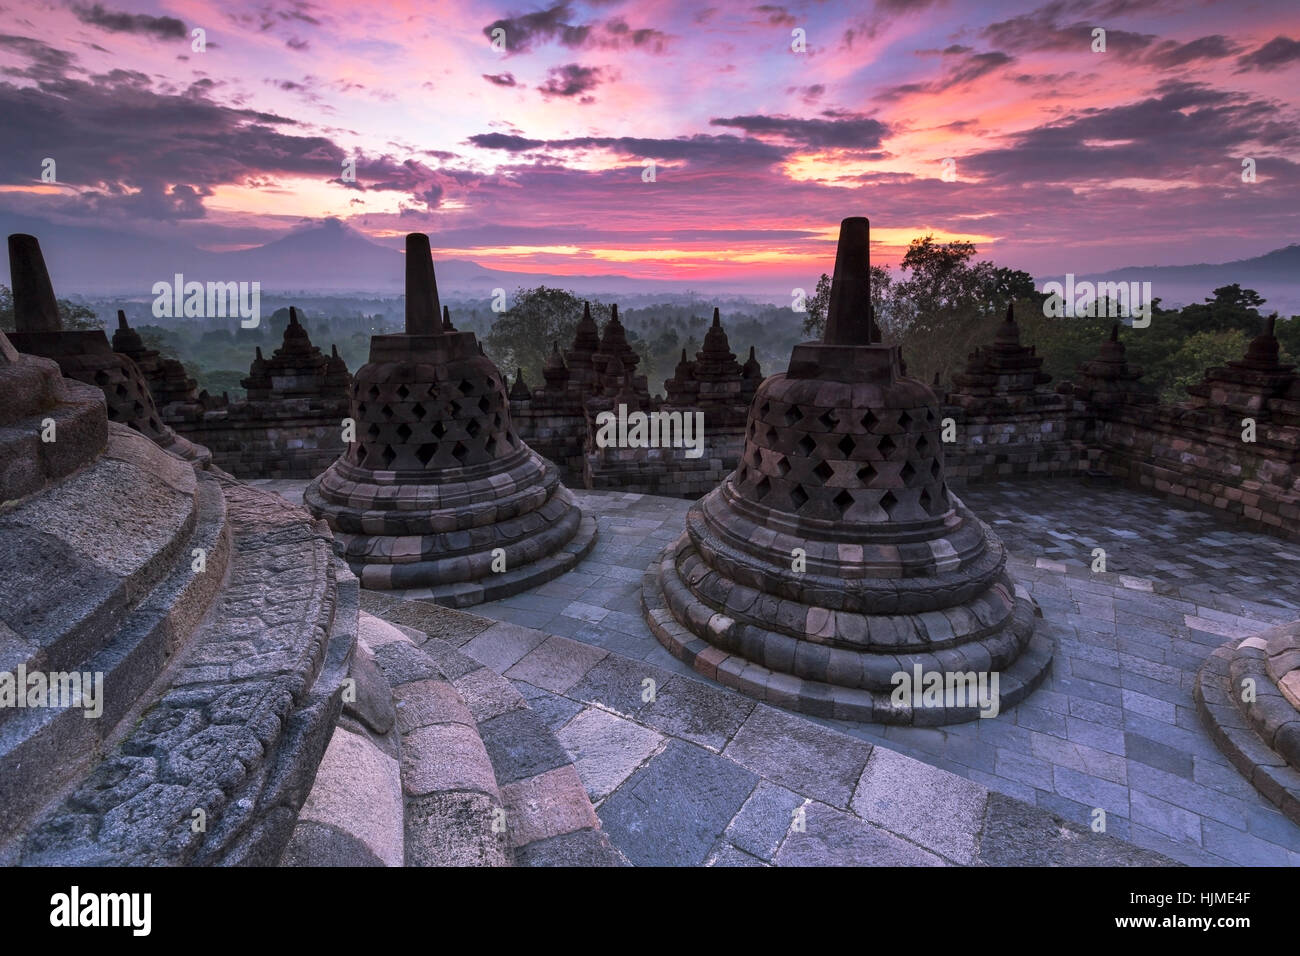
{"x":801,"y":755}
{"x":833,"y":838}
{"x":606,"y":748}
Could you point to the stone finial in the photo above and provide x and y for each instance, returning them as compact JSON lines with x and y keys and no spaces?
{"x":35,"y":308}
{"x":421,"y":287}
{"x":751,"y":368}
{"x":519,"y":391}
{"x":717,"y":320}
{"x":848,"y":316}
{"x":446,"y":321}
{"x":121,"y":320}
{"x":293,"y":316}
{"x":1009,"y":331}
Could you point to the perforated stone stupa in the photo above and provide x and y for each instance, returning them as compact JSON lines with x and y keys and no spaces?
{"x":835,"y":557}
{"x":438,"y":491}
{"x":85,"y":355}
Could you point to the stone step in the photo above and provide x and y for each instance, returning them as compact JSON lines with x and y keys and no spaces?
{"x":683,"y":771}
{"x":126,"y":634}
{"x":227,"y":746}
{"x":1237,"y":727}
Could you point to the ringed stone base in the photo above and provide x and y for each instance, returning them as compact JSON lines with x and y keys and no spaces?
{"x":1260,"y":737}
{"x":1021,"y":657}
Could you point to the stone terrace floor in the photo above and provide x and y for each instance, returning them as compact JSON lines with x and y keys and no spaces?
{"x":1113,"y":726}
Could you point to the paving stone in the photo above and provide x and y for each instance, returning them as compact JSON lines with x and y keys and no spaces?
{"x":832,"y":837}
{"x":606,"y":749}
{"x":947,"y":821}
{"x":520,"y":745}
{"x":501,"y":645}
{"x":445,"y":757}
{"x":799,"y":754}
{"x":672,"y":810}
{"x":763,"y":821}
{"x":1016,"y":834}
{"x":1174,"y":822}
{"x":724,"y":854}
{"x":555,"y":711}
{"x":1158,"y":755}
{"x":547,"y":805}
{"x":618,"y":684}
{"x":556,"y":664}
{"x":698,"y":712}
{"x":579,"y":848}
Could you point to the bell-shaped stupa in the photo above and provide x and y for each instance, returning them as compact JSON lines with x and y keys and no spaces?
{"x":437,"y":492}
{"x":85,"y":354}
{"x":833,"y":571}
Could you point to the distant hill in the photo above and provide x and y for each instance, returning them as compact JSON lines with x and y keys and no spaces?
{"x":1274,"y":275}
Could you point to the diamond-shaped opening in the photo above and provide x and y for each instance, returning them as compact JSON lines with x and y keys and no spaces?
{"x":757,"y":458}
{"x":807,"y":445}
{"x":484,"y":405}
{"x":472,"y":427}
{"x":361,"y":410}
{"x":926,"y":501}
{"x":763,"y":487}
{"x":491,"y":445}
{"x":373,"y":430}
{"x":843,"y":501}
{"x":426,"y":452}
{"x":418,"y":411}
{"x":866,"y":473}
{"x":404,"y":432}
{"x":510,"y":437}
{"x":904,"y":419}
{"x":887,"y":446}
{"x":153,"y":423}
{"x":402,"y":392}
{"x":922,"y":446}
{"x":374,"y":392}
{"x":496,"y":420}
{"x":465,"y":387}
{"x":771,"y":436}
{"x":388,"y":455}
{"x":121,"y":389}
{"x":753,"y":428}
{"x":869,"y":420}
{"x":935,"y":469}
{"x":762,"y":412}
{"x":439,"y":429}
{"x":387,"y":412}
{"x":907,"y":473}
{"x":101,"y":378}
{"x":137,"y":408}
{"x":783,"y":465}
{"x":829,"y":420}
{"x":454,"y":409}
{"x":792,"y":415}
{"x":846,"y":446}
{"x":824,"y":471}
{"x":798,"y":497}
{"x":361,"y":454}
{"x":743,"y":473}
{"x":929,"y":416}
{"x":460,"y":452}
{"x":889,"y":502}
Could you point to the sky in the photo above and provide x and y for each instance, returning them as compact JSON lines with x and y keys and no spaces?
{"x":523,"y":136}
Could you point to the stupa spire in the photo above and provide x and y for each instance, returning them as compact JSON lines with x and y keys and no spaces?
{"x":421,"y":287}
{"x":848,"y":316}
{"x":35,"y":309}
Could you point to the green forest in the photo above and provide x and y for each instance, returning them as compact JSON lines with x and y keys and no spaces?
{"x":938,"y":305}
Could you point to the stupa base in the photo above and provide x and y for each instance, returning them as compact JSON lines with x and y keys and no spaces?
{"x":693,"y":632}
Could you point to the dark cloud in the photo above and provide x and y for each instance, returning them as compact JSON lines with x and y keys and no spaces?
{"x":47,"y":63}
{"x":555,"y":24}
{"x":505,"y":141}
{"x":500,"y":79}
{"x":1169,"y":53}
{"x":699,"y":149}
{"x":1276,"y":54}
{"x":842,"y":131}
{"x":775,"y":15}
{"x":968,"y":69}
{"x":809,"y":94}
{"x":1184,"y":131}
{"x":571,"y":80}
{"x":1040,"y":30}
{"x":165,"y":28}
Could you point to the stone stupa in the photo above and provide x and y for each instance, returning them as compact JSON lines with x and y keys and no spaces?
{"x":835,"y":558}
{"x":85,"y":355}
{"x":438,"y":493}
